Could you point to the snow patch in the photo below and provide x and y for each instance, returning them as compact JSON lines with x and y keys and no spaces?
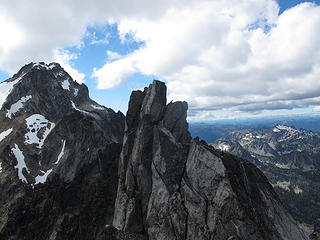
{"x":66,"y":84}
{"x":76,"y":90}
{"x":42,"y":178}
{"x":223,"y":147}
{"x":297,"y":190}
{"x":275,"y":129}
{"x":279,"y":128}
{"x":39,"y":128}
{"x":283,"y":166}
{"x":61,"y":73}
{"x":17,"y":106}
{"x":21,"y":163}
{"x":284,"y":185}
{"x":6,"y":88}
{"x":61,"y":153}
{"x":97,"y":107}
{"x":286,"y":128}
{"x":0,"y":167}
{"x":4,"y":134}
{"x":246,"y":139}
{"x":52,"y":65}
{"x":41,"y":65}
{"x":75,"y":107}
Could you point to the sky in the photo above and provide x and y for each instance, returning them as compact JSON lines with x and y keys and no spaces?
{"x":227,"y":58}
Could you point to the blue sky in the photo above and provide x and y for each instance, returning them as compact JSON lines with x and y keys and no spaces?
{"x":285,"y":4}
{"x":228,"y":59}
{"x":93,"y":54}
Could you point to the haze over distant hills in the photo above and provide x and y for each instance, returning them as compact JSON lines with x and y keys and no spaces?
{"x":213,"y":130}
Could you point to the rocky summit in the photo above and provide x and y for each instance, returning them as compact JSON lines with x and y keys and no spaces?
{"x":173,"y":187}
{"x":72,"y":169}
{"x":59,"y":157}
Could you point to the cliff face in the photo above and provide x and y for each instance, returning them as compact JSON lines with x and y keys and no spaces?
{"x":172,"y":187}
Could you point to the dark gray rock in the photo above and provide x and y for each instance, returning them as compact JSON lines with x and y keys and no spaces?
{"x":66,"y":210}
{"x":175,"y":121}
{"x":66,"y":185}
{"x":172,"y":187}
{"x":146,"y":111}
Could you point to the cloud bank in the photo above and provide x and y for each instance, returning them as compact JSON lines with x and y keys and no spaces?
{"x":224,"y":55}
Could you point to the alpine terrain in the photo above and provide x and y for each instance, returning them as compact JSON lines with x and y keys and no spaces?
{"x":290,"y":158}
{"x":72,"y":169}
{"x":59,"y":157}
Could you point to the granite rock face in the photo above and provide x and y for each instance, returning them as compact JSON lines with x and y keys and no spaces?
{"x":172,"y":187}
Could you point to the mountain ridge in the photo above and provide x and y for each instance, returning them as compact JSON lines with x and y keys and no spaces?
{"x":72,"y":169}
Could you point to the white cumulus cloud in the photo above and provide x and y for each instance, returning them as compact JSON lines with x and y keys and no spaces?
{"x":64,"y":58}
{"x":316,"y":109}
{"x":236,"y":56}
{"x":114,"y":73}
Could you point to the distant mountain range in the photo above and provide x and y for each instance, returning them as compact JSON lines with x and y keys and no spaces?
{"x":212,"y":131}
{"x":290,"y":158}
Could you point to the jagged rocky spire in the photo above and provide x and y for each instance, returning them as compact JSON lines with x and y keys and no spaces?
{"x":148,"y":120}
{"x":172,"y":187}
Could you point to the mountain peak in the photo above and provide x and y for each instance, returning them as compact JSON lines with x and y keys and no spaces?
{"x":40,"y":82}
{"x":58,"y":153}
{"x":35,"y":66}
{"x":280,"y":127}
{"x":52,"y":68}
{"x":173,"y":187}
{"x":33,"y":103}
